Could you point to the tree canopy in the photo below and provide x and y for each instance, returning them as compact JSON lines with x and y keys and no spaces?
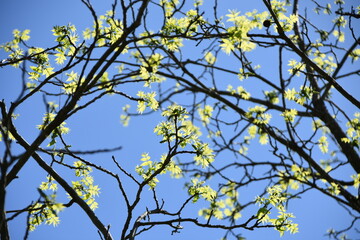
{"x":250,"y":110}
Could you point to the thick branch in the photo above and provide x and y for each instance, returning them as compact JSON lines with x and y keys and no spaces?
{"x":310,"y":63}
{"x":62,"y":183}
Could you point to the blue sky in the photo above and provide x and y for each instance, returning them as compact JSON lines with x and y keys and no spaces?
{"x":99,"y":127}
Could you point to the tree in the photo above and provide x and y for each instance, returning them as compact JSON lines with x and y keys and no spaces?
{"x":262,"y":100}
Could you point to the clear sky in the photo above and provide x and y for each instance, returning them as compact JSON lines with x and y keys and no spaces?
{"x":99,"y":127}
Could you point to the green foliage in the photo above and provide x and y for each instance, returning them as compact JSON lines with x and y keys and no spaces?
{"x":210,"y":58}
{"x":289,"y":115}
{"x":147,"y":100}
{"x":218,"y":89}
{"x":294,"y":178}
{"x":125,"y":118}
{"x":179,"y":131}
{"x":147,"y":169}
{"x":48,"y":118}
{"x":353,"y":131}
{"x":197,"y":189}
{"x":272,"y":96}
{"x":225,"y":205}
{"x":356,"y":178}
{"x":13,"y":47}
{"x":205,"y":114}
{"x":303,"y":96}
{"x":177,"y":127}
{"x":276,"y":198}
{"x":85,"y":187}
{"x":47,"y":210}
{"x":257,"y":113}
{"x":238,"y":37}
{"x":72,"y":82}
